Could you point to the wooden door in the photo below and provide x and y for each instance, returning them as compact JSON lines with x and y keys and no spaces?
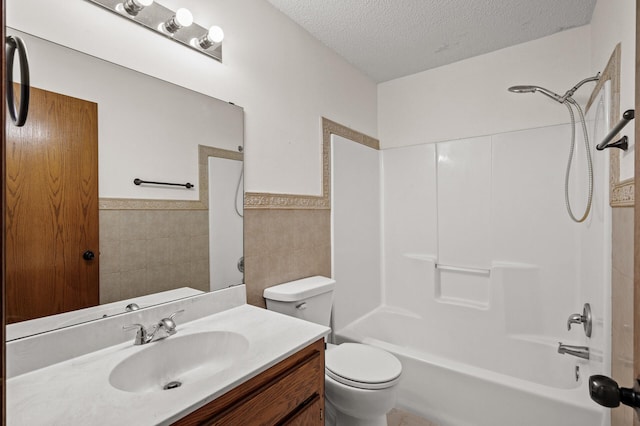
{"x":52,"y":208}
{"x":636,"y":239}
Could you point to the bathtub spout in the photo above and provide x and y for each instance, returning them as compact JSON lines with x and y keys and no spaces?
{"x":579,"y":351}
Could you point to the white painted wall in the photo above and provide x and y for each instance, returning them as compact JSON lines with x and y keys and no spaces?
{"x":613,"y":22}
{"x":356,"y":231}
{"x":284,"y":79}
{"x":470,"y":98}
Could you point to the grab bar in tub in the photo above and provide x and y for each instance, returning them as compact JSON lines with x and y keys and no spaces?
{"x":477,"y":271}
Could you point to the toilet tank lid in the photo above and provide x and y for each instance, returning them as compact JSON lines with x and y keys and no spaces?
{"x":299,"y":289}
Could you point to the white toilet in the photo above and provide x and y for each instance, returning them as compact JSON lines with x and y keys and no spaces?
{"x":360,"y":380}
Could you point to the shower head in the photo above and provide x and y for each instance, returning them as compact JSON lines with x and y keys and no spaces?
{"x":552,"y":95}
{"x":533,"y":89}
{"x":522,"y":89}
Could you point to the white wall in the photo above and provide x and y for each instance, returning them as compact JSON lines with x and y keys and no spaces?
{"x":613,"y":22}
{"x":284,"y":79}
{"x":470,"y":98}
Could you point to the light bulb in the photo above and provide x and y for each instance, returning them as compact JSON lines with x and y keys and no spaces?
{"x":182,"y":18}
{"x":133,"y":7}
{"x":212,"y":38}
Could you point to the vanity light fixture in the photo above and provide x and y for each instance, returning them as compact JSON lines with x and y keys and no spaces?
{"x":175,"y":25}
{"x":181,"y":19}
{"x":133,"y":7}
{"x":212,"y":38}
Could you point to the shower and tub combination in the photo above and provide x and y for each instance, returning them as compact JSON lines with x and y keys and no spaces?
{"x":482,"y":272}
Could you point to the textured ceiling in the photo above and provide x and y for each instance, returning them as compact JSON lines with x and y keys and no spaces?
{"x":387,"y":39}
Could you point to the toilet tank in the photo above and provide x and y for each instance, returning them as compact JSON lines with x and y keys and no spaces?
{"x":309,"y":299}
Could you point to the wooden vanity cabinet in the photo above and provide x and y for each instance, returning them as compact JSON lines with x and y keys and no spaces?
{"x":289,"y":393}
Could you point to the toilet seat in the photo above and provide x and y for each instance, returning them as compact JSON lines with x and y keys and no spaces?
{"x":362,"y":366}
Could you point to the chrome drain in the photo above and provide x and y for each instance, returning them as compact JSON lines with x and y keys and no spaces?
{"x":172,"y":385}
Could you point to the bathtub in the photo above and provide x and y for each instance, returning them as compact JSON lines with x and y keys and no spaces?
{"x":451,"y":381}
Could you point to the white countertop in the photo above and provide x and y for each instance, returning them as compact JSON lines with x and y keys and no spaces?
{"x":77,"y":391}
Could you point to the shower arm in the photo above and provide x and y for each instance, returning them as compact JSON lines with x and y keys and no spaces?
{"x":573,"y":90}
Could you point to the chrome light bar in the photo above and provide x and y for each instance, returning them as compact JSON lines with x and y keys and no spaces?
{"x":169,"y":23}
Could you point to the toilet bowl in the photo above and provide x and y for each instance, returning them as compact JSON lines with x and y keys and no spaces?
{"x":360,"y":380}
{"x":360,"y":384}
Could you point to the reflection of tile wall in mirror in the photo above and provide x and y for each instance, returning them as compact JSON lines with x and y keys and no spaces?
{"x":154,"y":130}
{"x":147,"y":251}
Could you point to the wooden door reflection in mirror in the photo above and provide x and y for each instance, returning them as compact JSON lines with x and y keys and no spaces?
{"x":52,"y":208}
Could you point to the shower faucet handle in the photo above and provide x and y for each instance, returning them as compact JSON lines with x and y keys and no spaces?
{"x":584,"y":319}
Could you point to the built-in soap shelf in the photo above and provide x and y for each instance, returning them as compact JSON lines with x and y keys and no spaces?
{"x":457,"y":285}
{"x":463,"y":269}
{"x":475,"y":287}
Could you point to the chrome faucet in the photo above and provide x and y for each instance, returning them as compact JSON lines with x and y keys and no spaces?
{"x":584,"y":319}
{"x":164,"y":328}
{"x":579,"y":351}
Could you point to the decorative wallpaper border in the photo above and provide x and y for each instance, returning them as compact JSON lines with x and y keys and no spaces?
{"x":621,"y":193}
{"x":204,"y":152}
{"x":259,"y":200}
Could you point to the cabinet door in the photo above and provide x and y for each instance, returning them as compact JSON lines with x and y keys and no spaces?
{"x":278,"y":399}
{"x":291,"y":390}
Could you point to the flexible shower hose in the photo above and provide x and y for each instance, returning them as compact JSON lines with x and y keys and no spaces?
{"x":589,"y":162}
{"x":235,"y":202}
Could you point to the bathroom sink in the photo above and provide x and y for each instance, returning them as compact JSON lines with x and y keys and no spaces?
{"x":178,"y":360}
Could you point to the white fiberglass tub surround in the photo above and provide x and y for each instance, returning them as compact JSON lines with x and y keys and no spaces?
{"x":517,"y":382}
{"x":480,"y":269}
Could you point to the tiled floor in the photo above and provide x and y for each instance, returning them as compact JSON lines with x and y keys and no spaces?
{"x":402,"y":418}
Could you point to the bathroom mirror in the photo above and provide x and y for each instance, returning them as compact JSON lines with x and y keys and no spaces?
{"x":156,"y":242}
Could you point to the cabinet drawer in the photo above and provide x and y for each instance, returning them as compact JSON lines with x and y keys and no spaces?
{"x":311,"y":414}
{"x":279,"y":395}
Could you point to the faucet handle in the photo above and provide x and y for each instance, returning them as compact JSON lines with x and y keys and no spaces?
{"x":176,"y":313}
{"x":141,"y":335}
{"x":168,"y":324}
{"x":574,"y":319}
{"x":585,"y":319}
{"x":128,"y":327}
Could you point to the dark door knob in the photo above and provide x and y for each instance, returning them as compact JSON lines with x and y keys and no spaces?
{"x":88,"y":255}
{"x":605,"y":391}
